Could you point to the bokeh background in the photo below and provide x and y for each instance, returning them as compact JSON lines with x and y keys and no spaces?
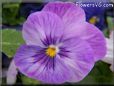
{"x":15,"y":13}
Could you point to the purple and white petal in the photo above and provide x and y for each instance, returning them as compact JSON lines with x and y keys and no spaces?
{"x":67,"y":11}
{"x":91,"y":34}
{"x":24,"y":57}
{"x":79,"y":58}
{"x":40,"y":25}
{"x":53,"y":72}
{"x":39,"y":66}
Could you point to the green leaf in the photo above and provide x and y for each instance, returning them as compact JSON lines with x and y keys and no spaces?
{"x":11,"y":40}
{"x":100,"y":74}
{"x":29,"y":81}
{"x":106,"y":32}
{"x":110,"y":22}
{"x":10,"y":14}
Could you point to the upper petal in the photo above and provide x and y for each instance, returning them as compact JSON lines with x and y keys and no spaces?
{"x":91,"y":34}
{"x":68,"y":11}
{"x":40,"y":25}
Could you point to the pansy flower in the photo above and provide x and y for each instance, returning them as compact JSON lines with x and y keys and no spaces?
{"x":60,"y":45}
{"x":95,"y":14}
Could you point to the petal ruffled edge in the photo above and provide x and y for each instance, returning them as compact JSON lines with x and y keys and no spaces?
{"x":68,"y":11}
{"x":91,"y":34}
{"x":80,"y":58}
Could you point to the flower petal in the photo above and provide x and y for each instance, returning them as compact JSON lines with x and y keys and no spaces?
{"x":112,"y":67}
{"x":56,"y":75}
{"x":12,"y":73}
{"x":91,"y":34}
{"x":109,"y":55}
{"x":68,"y":11}
{"x":40,"y":66}
{"x":41,"y":25}
{"x":79,"y":59}
{"x":24,"y":57}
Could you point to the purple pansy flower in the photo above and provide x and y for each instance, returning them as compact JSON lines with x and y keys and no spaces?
{"x":95,"y":14}
{"x":60,"y":45}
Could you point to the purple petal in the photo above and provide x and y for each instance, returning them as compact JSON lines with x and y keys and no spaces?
{"x":24,"y":57}
{"x":69,"y":12}
{"x":57,"y":75}
{"x":91,"y":34}
{"x":80,"y":58}
{"x":41,"y":25}
{"x":39,"y":66}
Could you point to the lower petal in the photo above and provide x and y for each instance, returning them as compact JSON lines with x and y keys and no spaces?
{"x":80,"y":58}
{"x":57,"y":75}
{"x":39,"y":66}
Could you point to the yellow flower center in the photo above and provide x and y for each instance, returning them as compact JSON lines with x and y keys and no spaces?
{"x":93,"y":20}
{"x":51,"y":51}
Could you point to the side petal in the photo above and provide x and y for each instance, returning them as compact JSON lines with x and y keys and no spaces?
{"x":39,"y":66}
{"x":79,"y":58}
{"x":24,"y":58}
{"x":41,"y":25}
{"x":91,"y":34}
{"x":68,"y":11}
